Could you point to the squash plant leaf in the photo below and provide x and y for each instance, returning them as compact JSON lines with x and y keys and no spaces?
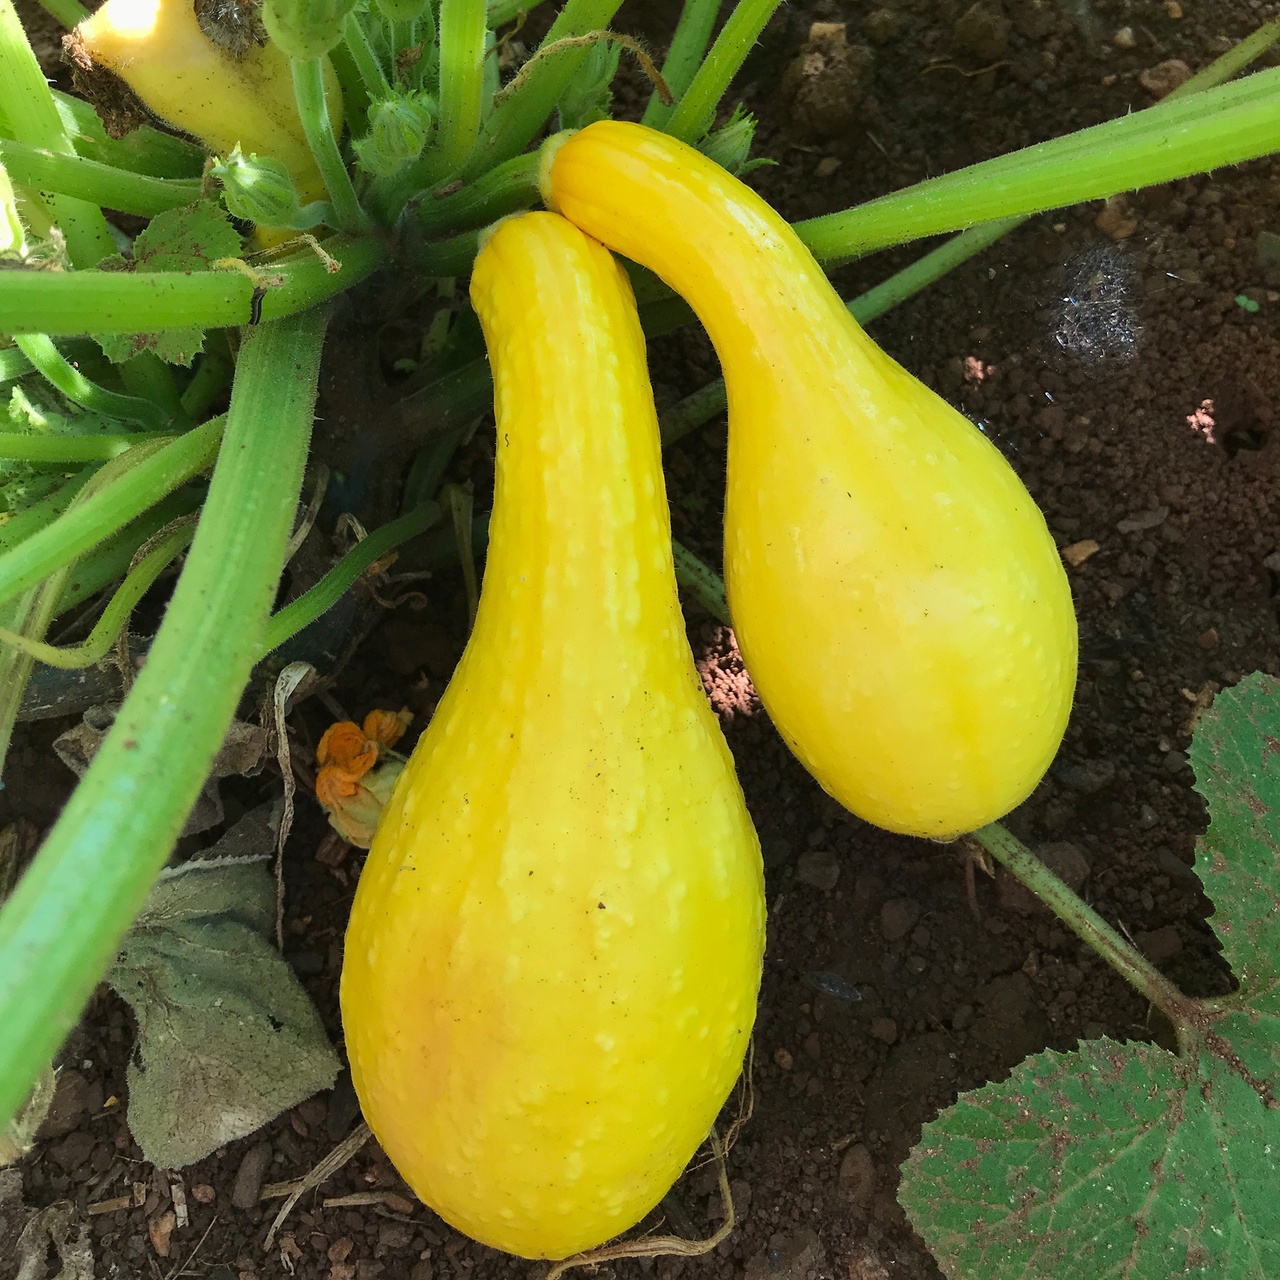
{"x":189,"y":239}
{"x":227,"y":1036}
{"x":1125,"y":1160}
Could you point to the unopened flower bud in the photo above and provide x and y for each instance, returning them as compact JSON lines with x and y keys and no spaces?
{"x":730,"y":146}
{"x":305,"y":28}
{"x":398,"y":129}
{"x":257,"y":188}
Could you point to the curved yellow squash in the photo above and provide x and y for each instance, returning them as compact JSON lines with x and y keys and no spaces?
{"x":553,"y":958}
{"x":158,"y":49}
{"x":898,"y":599}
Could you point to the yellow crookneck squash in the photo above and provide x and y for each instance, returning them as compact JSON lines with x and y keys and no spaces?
{"x":223,"y":98}
{"x":553,"y":958}
{"x":898,"y":599}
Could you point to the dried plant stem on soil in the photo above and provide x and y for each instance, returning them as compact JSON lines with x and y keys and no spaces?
{"x":659,"y":1246}
{"x":325,"y":1169}
{"x":1122,"y":956}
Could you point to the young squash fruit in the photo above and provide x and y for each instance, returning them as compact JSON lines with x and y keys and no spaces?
{"x":222,"y":96}
{"x":898,"y":599}
{"x":553,"y":958}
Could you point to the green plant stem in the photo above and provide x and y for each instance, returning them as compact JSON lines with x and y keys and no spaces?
{"x":357,"y":41}
{"x":1222,"y":68}
{"x":109,"y":561}
{"x":462,"y":32}
{"x":505,"y":189}
{"x":701,"y":581}
{"x":330,"y":589}
{"x":688,"y":44}
{"x":32,"y":448}
{"x":1226,"y":125}
{"x":28,"y":107}
{"x":141,"y":301}
{"x":39,"y":349}
{"x":149,"y":378}
{"x":442,"y":258}
{"x":96,"y":183}
{"x":124,"y":488}
{"x":511,"y":126}
{"x":116,"y":615}
{"x":694,"y":113}
{"x":1124,"y":958}
{"x":68,"y":12}
{"x":30,"y":616}
{"x":355,"y":97}
{"x":65,"y":917}
{"x":211,"y":378}
{"x":308,"y":92}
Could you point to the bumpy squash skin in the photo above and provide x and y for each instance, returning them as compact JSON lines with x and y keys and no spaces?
{"x":158,"y":49}
{"x":553,"y":958}
{"x":896,"y":594}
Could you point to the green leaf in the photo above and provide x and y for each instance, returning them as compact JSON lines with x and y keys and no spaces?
{"x":1127,"y":1160}
{"x":1236,"y":755}
{"x":183,"y":240}
{"x":227,"y":1037}
{"x":1116,"y":1160}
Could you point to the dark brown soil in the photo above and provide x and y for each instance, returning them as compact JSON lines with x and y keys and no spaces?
{"x":1135,"y":395}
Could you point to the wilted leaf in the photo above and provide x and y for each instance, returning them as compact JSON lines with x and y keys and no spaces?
{"x":59,"y":1225}
{"x":241,"y":753}
{"x":227,"y":1037}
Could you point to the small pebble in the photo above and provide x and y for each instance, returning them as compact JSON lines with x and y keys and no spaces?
{"x":1123,"y":39}
{"x":248,"y":1183}
{"x":1078,"y":552}
{"x":1162,"y":80}
{"x":819,"y":868}
{"x":884,"y":1029}
{"x":898,"y":917}
{"x":783,"y":1059}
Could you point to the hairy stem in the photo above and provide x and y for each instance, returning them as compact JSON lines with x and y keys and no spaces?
{"x":27,"y":105}
{"x":123,"y":489}
{"x":1124,"y":958}
{"x":688,"y":44}
{"x":1221,"y":126}
{"x":95,"y":183}
{"x":39,"y":349}
{"x":116,"y":615}
{"x":141,"y":301}
{"x":329,"y":590}
{"x":63,"y":921}
{"x":308,"y":90}
{"x":694,"y":113}
{"x":462,"y":32}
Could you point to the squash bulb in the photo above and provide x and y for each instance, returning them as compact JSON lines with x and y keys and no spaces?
{"x":552,"y":962}
{"x":897,"y":597}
